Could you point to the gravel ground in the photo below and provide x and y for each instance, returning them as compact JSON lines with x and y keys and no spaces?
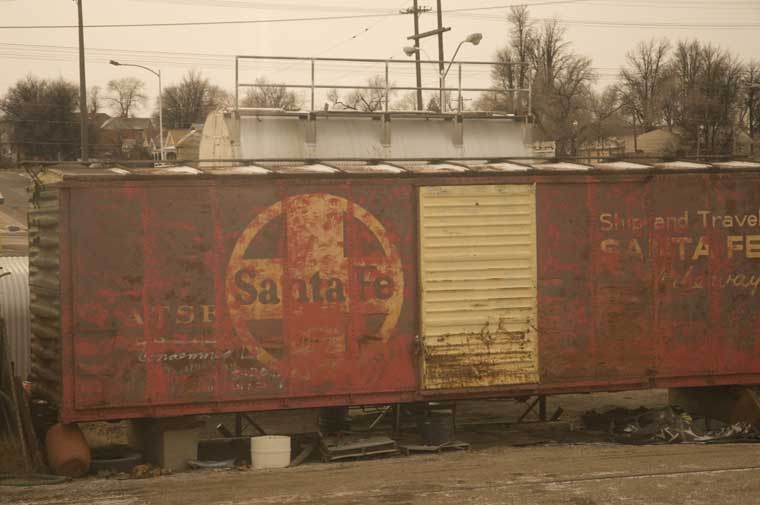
{"x":546,"y":464}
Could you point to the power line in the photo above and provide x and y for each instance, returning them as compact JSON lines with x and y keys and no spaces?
{"x":336,"y":8}
{"x":287,"y":6}
{"x":201,"y":23}
{"x":274,"y":20}
{"x":459,"y":12}
{"x":753,"y":5}
{"x":631,"y":24}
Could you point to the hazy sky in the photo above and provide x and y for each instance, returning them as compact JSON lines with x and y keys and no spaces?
{"x":603,"y":30}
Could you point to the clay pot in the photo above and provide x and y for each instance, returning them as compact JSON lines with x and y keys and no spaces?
{"x":67,"y":450}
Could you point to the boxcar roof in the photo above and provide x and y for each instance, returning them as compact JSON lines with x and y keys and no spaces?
{"x":343,"y":168}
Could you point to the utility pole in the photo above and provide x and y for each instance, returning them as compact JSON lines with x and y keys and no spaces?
{"x":416,"y":11}
{"x":440,"y":53}
{"x":83,"y":112}
{"x":438,"y":31}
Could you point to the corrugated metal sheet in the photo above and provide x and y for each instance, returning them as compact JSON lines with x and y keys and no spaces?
{"x":14,"y":309}
{"x":478,"y":285}
{"x":44,"y":287}
{"x":296,"y":136}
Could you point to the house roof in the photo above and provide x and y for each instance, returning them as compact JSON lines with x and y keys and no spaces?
{"x":655,"y":141}
{"x":182,"y":136}
{"x":128,"y":123}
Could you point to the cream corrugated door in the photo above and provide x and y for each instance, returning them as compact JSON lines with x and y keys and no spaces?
{"x":478,"y":284}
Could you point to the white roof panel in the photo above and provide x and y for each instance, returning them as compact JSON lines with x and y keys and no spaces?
{"x":380,"y":168}
{"x":622,"y":165}
{"x":317,"y":168}
{"x":737,"y":165}
{"x":561,"y":166}
{"x":500,"y":167}
{"x":180,"y":170}
{"x":435,"y":168}
{"x":681,"y":165}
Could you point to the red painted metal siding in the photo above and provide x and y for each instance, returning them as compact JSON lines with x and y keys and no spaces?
{"x":638,"y":284}
{"x":198,"y":294}
{"x":223,"y":294}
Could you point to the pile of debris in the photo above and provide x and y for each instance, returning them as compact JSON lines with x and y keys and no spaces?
{"x":669,"y":425}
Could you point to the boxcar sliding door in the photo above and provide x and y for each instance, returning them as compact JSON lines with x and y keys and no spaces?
{"x":478,"y":285}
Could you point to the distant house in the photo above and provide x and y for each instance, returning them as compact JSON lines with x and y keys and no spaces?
{"x":97,"y":119}
{"x":661,"y":140}
{"x":544,"y":148}
{"x":128,"y":123}
{"x":600,"y":149}
{"x":182,"y":143}
{"x":126,"y":137}
{"x":743,"y":144}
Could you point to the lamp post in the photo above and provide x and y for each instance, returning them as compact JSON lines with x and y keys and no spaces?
{"x":752,"y":86}
{"x":575,"y":140}
{"x":160,"y":102}
{"x":473,"y":38}
{"x":700,"y":131}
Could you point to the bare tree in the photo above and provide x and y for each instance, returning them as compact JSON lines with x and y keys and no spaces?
{"x":750,"y":115}
{"x":192,"y":100}
{"x":270,"y":95}
{"x":94,"y":100}
{"x":607,"y":115}
{"x":550,"y":52}
{"x":707,"y":101}
{"x":513,"y":63}
{"x":644,"y":80}
{"x":522,"y":40}
{"x":406,"y":102}
{"x":561,"y":89}
{"x":371,"y":99}
{"x":503,"y":79}
{"x":125,"y":95}
{"x":565,"y":107}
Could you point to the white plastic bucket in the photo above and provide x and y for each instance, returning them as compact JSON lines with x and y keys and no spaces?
{"x":270,"y":451}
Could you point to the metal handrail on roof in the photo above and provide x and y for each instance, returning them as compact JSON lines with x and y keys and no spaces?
{"x":388,"y":87}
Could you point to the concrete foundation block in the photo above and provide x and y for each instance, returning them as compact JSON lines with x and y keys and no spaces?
{"x":166,"y":443}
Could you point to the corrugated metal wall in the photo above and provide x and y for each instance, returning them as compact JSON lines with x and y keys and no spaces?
{"x":44,"y":286}
{"x":478,"y":274}
{"x":14,"y":309}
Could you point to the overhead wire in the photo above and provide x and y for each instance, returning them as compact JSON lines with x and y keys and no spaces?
{"x":468,"y":11}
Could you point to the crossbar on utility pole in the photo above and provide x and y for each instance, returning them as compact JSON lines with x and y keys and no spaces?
{"x":83,"y":112}
{"x":429,"y":33}
{"x":416,"y":11}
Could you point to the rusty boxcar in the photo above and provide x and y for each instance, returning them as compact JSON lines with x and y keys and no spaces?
{"x":168,"y":292}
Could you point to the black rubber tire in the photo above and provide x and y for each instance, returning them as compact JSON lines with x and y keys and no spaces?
{"x":124,"y":463}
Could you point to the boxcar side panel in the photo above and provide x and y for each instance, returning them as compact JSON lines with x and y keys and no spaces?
{"x":649,"y":281}
{"x":223,"y":294}
{"x":190,"y":294}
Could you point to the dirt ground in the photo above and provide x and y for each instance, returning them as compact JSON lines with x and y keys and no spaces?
{"x":554,"y":463}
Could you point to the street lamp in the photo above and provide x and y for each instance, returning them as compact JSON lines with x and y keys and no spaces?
{"x":160,"y":102}
{"x":473,"y":38}
{"x":752,"y":86}
{"x":575,"y":140}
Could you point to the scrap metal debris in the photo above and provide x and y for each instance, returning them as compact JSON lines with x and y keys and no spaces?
{"x":346,"y":445}
{"x":408,"y":449}
{"x":667,"y":425}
